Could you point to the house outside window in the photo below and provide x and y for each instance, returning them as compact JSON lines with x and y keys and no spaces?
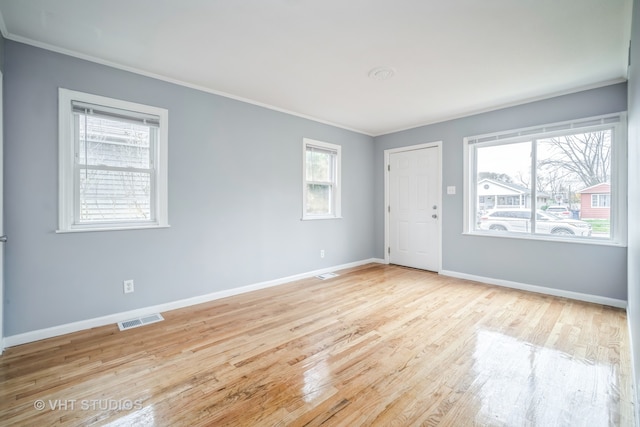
{"x":495,"y":194}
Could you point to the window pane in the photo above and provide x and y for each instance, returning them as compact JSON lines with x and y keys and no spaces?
{"x":114,"y":195}
{"x":570,"y":170}
{"x":319,"y":199}
{"x":109,"y":142}
{"x":503,"y":187}
{"x":600,"y":201}
{"x":319,"y":165}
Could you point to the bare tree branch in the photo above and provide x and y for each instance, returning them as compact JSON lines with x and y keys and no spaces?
{"x":584,"y":157}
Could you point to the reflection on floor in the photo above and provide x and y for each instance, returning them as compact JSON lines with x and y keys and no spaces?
{"x":548,"y":383}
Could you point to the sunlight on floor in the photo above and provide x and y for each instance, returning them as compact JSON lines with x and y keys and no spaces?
{"x":519,"y":383}
{"x":140,"y":418}
{"x":316,"y":380}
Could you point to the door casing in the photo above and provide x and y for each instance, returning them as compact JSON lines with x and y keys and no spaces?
{"x":387,"y":227}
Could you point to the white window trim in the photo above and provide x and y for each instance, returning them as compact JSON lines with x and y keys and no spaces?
{"x":619,"y":166}
{"x":66,"y":162}
{"x":337,"y":213}
{"x":599,"y":197}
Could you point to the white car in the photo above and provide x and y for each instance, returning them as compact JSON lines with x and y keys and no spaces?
{"x":560,"y":211}
{"x":519,"y":221}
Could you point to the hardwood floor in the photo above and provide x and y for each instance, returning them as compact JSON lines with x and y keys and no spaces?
{"x":378,"y":345}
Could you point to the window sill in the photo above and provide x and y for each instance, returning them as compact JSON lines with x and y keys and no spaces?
{"x":313,"y":218}
{"x":118,"y":228}
{"x":577,"y":240}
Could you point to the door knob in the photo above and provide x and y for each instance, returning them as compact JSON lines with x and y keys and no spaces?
{"x":434,"y":216}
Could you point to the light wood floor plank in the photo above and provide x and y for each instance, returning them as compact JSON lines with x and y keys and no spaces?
{"x":377,"y":345}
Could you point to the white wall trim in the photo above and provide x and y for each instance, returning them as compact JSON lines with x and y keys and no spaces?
{"x":612,"y":302}
{"x":68,"y":328}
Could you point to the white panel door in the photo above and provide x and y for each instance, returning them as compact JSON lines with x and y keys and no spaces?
{"x":414,"y":208}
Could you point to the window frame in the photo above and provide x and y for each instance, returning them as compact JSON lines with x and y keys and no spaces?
{"x":335,"y":184}
{"x":598,"y":197}
{"x":68,"y":202}
{"x":618,"y":195}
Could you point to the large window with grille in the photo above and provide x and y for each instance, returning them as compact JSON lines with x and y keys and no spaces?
{"x":560,"y":181}
{"x":113,"y":163}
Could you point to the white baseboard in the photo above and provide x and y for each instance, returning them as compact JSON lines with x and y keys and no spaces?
{"x":67,"y":328}
{"x":539,"y":289}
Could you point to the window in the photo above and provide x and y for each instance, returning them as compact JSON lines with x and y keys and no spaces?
{"x":321,"y":187}
{"x":509,"y":201}
{"x":112,"y":164}
{"x":532,"y":169}
{"x":600,"y":201}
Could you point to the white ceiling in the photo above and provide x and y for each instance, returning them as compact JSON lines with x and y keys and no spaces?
{"x":312,"y":57}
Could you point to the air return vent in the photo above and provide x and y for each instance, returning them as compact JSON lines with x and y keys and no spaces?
{"x":326,"y":276}
{"x":140,"y":321}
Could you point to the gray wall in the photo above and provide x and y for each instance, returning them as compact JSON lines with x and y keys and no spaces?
{"x":633,"y":309}
{"x":235,"y":199}
{"x":589,"y":269}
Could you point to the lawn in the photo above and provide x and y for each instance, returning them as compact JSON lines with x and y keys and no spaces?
{"x":599,"y":225}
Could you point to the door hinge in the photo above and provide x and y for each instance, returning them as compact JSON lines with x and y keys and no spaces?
{"x":389,"y":208}
{"x":389,"y":250}
{"x":389,"y":168}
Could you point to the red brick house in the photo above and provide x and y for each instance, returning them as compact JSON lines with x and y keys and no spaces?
{"x":595,"y":201}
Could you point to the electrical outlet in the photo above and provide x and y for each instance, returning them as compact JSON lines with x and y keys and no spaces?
{"x":321,"y":253}
{"x":127,"y":286}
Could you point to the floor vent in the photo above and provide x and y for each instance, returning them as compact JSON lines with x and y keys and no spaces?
{"x":140,"y":321}
{"x":326,"y":276}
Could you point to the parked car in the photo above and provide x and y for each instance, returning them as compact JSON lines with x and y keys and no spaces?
{"x":519,"y":221}
{"x":561,"y":211}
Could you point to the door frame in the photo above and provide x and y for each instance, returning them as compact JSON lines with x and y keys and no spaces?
{"x":387,"y":156}
{"x":2,"y":230}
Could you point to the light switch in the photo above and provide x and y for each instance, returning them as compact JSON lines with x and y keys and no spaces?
{"x":451,"y":189}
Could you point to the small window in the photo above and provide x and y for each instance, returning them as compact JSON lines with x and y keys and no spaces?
{"x":321,"y":186}
{"x":600,"y":201}
{"x":113,"y":164}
